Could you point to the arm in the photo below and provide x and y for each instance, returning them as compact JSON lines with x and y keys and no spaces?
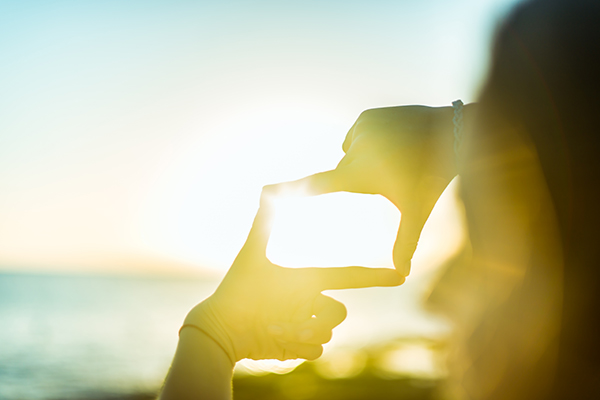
{"x":200,"y":369}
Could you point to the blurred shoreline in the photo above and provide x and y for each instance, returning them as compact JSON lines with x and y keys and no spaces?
{"x":80,"y":336}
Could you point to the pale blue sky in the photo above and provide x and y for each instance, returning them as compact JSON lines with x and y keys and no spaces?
{"x":143,"y":130}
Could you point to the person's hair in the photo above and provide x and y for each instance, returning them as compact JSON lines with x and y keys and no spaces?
{"x":545,"y":74}
{"x":544,"y":87}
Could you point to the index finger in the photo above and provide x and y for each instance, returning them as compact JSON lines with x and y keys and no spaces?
{"x":335,"y":180}
{"x":352,"y":277}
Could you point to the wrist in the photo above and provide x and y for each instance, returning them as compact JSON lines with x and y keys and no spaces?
{"x":442,"y":154}
{"x":205,"y":318}
{"x":190,"y":336}
{"x":445,"y":132}
{"x":200,"y":369}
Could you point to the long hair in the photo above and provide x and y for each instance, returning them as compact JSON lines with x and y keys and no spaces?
{"x":530,"y":182}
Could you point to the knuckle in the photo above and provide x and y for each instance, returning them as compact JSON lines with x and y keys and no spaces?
{"x":407,"y":245}
{"x":366,"y":113}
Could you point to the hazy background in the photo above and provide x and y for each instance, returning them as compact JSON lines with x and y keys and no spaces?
{"x":136,"y":135}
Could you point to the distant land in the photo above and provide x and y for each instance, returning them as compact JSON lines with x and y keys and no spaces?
{"x":113,"y":265}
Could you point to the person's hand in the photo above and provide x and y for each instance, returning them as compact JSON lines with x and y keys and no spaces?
{"x":403,"y":153}
{"x":264,"y":311}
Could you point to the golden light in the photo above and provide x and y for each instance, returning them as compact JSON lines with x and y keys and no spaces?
{"x":342,"y":363}
{"x":416,"y":359}
{"x":263,"y":367}
{"x":201,"y":207}
{"x":342,"y":229}
{"x":333,"y":230}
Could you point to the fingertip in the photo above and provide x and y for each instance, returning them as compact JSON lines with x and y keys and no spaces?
{"x":403,"y":269}
{"x":327,"y":337}
{"x":314,"y":353}
{"x":402,"y":257}
{"x":392,"y":278}
{"x":400,"y":279}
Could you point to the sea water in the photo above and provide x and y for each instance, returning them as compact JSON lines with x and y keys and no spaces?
{"x":88,"y":337}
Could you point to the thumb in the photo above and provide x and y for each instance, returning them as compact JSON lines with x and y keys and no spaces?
{"x":259,"y":234}
{"x":409,"y":231}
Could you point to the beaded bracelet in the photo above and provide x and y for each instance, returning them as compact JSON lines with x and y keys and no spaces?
{"x":458,"y":124}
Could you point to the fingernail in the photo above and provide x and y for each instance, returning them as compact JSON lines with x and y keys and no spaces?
{"x":305,"y":335}
{"x":275,"y":330}
{"x":398,"y":279}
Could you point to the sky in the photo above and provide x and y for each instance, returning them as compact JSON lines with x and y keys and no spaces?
{"x":136,"y":135}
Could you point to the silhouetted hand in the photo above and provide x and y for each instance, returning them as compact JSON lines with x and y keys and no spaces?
{"x":261,"y":310}
{"x":403,"y":153}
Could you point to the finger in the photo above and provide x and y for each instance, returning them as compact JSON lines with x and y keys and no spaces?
{"x":302,"y":350}
{"x":409,"y":232}
{"x":335,"y":180}
{"x":258,"y":237}
{"x":287,"y":355}
{"x":311,"y":331}
{"x":328,"y":313}
{"x":350,"y":277}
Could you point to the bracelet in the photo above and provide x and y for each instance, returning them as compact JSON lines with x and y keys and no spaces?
{"x":458,"y":124}
{"x":210,"y":337}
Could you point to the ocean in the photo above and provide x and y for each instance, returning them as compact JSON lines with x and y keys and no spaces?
{"x":90,"y":337}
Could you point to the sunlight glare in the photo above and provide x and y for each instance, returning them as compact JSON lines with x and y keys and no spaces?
{"x":202,"y":207}
{"x":341,"y":363}
{"x":333,"y":230}
{"x":263,"y":367}
{"x":411,"y":360}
